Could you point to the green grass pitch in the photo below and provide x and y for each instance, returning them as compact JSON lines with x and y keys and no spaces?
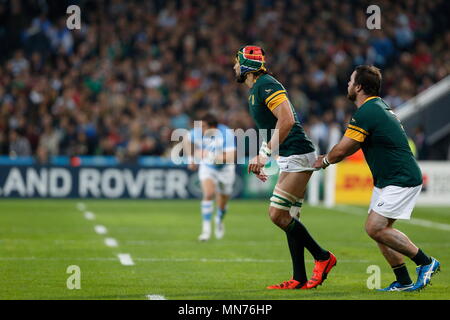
{"x":39,"y":239}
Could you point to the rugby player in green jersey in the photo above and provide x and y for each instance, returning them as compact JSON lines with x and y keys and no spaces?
{"x":397,"y":177}
{"x":271,"y":110}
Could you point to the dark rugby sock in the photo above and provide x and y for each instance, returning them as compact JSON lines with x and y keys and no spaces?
{"x":313,"y":247}
{"x":421,"y":258}
{"x":296,"y":248}
{"x":401,"y":273}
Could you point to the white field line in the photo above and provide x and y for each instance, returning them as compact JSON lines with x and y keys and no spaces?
{"x":101,"y":229}
{"x":235,"y":260}
{"x":181,"y":242}
{"x":81,"y":206}
{"x":111,"y":242}
{"x":155,"y":297}
{"x":430,"y":224}
{"x":415,"y":221}
{"x":125,"y":259}
{"x":55,"y":259}
{"x":89,"y":215}
{"x":65,"y":242}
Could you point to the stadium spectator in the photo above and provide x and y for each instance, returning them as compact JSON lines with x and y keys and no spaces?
{"x":18,"y":144}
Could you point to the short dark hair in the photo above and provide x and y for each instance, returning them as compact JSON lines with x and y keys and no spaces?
{"x":369,"y":78}
{"x":210,"y":119}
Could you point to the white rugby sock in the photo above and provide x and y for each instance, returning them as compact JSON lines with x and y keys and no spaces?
{"x":296,"y":208}
{"x":207,"y":211}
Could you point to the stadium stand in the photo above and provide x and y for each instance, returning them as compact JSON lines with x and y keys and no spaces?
{"x":121,"y":88}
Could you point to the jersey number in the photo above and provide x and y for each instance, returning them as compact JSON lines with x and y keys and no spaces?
{"x":252,"y":99}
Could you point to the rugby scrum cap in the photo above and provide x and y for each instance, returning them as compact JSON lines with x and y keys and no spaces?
{"x":251,"y":59}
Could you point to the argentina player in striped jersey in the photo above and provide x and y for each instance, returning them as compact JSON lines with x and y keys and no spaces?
{"x":214,"y":151}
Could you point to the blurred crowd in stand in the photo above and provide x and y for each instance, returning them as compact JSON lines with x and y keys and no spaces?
{"x":137,"y":70}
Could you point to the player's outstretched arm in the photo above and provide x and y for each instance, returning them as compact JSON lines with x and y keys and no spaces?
{"x":343,"y":149}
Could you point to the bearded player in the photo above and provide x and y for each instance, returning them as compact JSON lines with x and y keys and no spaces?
{"x":271,"y":109}
{"x":397,"y":178}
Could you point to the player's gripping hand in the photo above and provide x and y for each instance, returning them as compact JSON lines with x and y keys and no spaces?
{"x":256,"y":164}
{"x":262,"y":176}
{"x":319,"y":164}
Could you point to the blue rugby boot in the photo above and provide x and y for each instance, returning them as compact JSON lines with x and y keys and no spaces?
{"x":424,"y":274}
{"x":397,"y":286}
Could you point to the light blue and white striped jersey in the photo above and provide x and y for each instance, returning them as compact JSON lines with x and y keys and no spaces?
{"x":222,"y":140}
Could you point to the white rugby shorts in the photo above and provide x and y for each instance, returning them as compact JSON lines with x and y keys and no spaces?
{"x":297,"y":162}
{"x":394,"y":202}
{"x":223,"y":177}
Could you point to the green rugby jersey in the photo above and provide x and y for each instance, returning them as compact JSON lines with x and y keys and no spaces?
{"x":385,"y":145}
{"x":267,"y":94}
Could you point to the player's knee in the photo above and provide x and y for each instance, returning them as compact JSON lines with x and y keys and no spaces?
{"x":373,"y":231}
{"x":208,"y":196}
{"x":280,"y":206}
{"x":274,"y":216}
{"x":279,"y":217}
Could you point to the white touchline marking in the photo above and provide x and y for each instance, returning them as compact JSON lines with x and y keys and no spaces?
{"x":430,"y":224}
{"x":111,"y":242}
{"x":125,"y":259}
{"x":100,"y":229}
{"x":236,"y":260}
{"x":155,"y":297}
{"x":150,"y":260}
{"x":89,"y":215}
{"x":228,"y":243}
{"x":55,"y":259}
{"x":414,"y":221}
{"x":81,"y":206}
{"x":181,"y":242}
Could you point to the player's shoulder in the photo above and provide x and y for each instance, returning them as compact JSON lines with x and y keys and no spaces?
{"x":223,"y":127}
{"x":371,"y":108}
{"x":195,"y":133}
{"x":267,"y":80}
{"x":227,"y":135}
{"x":371,"y":114}
{"x":267,"y":85}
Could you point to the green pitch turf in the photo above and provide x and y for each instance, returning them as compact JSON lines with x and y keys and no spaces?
{"x":40,"y":239}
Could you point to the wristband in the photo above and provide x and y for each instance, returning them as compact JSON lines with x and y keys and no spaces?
{"x":325,"y":161}
{"x":264,"y":150}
